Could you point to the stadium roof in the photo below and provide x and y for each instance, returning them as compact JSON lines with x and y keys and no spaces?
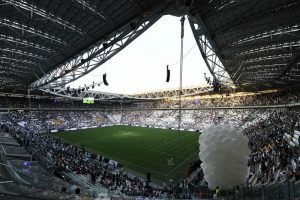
{"x":257,"y":41}
{"x":43,"y":43}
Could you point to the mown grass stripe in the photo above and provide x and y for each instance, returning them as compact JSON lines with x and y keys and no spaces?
{"x":140,"y":149}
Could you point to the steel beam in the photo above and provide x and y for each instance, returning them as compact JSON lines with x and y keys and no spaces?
{"x":14,"y":76}
{"x":208,"y":51}
{"x":173,"y":93}
{"x":257,"y":13}
{"x":13,"y":51}
{"x":90,"y":7}
{"x":9,"y":59}
{"x":269,"y":34}
{"x":265,"y":60}
{"x":294,"y":62}
{"x":19,"y":41}
{"x":271,"y":48}
{"x":24,"y":28}
{"x":264,"y":66}
{"x":261,"y":58}
{"x":278,"y":40}
{"x":43,"y":13}
{"x":90,"y":59}
{"x":12,"y":64}
{"x":8,"y":69}
{"x":79,"y":94}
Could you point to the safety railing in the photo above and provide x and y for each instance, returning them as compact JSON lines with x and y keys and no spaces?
{"x":288,"y":190}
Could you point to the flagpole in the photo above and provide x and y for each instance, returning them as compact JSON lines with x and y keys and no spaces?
{"x":181,"y":66}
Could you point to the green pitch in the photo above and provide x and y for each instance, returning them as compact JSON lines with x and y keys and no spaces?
{"x":165,"y":154}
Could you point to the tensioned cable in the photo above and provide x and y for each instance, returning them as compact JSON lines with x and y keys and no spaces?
{"x":187,"y":53}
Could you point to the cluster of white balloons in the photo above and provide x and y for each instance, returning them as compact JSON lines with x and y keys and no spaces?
{"x":224,"y":153}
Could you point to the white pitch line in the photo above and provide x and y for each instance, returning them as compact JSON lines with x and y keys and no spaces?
{"x":170,"y":155}
{"x":174,"y":140}
{"x":180,"y":164}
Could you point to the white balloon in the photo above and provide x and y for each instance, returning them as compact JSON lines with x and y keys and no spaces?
{"x":224,"y":153}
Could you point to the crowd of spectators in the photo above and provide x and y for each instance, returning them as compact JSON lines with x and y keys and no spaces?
{"x":226,"y":100}
{"x":38,"y":121}
{"x":69,"y":158}
{"x":41,"y":121}
{"x":219,"y":100}
{"x":272,"y":158}
{"x":191,"y":119}
{"x":54,"y":103}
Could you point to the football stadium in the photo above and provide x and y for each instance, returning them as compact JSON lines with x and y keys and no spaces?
{"x":150,"y":99}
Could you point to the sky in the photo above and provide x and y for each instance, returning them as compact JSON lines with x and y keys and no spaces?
{"x":141,"y":66}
